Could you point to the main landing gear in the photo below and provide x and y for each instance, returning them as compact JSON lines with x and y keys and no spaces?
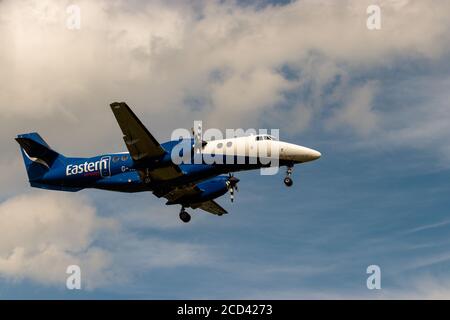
{"x":184,"y":216}
{"x":288,"y":180}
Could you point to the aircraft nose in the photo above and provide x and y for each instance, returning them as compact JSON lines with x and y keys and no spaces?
{"x":311,"y":154}
{"x":298,"y":153}
{"x":314,"y":154}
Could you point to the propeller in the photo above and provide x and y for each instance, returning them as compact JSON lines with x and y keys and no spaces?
{"x":198,"y":143}
{"x":232,"y":185}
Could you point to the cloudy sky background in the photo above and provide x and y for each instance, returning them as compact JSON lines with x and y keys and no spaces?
{"x":375,"y":103}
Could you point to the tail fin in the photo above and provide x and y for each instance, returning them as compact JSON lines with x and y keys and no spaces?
{"x":37,"y":155}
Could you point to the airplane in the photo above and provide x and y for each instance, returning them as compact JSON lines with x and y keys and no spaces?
{"x":148,"y":165}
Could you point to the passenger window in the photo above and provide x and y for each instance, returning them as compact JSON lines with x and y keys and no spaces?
{"x":124,"y":158}
{"x":229,"y":144}
{"x":115,"y":159}
{"x":220,"y":145}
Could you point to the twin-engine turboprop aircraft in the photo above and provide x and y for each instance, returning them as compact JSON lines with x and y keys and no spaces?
{"x":150,"y":166}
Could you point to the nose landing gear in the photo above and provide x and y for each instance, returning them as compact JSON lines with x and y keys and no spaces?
{"x":288,"y":180}
{"x":184,"y":216}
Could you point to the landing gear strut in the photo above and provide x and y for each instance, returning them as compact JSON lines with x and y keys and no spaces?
{"x":147,"y":178}
{"x":184,"y":216}
{"x":288,"y":180}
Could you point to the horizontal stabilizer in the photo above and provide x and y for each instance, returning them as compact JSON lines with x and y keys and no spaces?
{"x":210,"y":206}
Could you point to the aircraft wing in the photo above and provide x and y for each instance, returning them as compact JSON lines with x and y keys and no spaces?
{"x":140,"y":142}
{"x":138,"y":139}
{"x":144,"y":147}
{"x":176,"y":195}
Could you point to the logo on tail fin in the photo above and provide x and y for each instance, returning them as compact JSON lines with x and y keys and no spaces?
{"x":36,"y":160}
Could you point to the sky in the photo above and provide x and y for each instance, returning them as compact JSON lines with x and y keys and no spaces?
{"x":375,"y":103}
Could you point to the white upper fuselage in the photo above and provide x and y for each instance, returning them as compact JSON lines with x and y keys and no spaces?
{"x":261,"y":146}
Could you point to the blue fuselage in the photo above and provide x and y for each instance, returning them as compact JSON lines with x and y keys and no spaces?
{"x":118,"y":172}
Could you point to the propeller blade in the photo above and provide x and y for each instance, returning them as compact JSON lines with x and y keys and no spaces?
{"x":232,"y":185}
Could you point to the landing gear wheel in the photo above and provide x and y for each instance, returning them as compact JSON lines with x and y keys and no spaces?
{"x":185,"y":217}
{"x":288,"y":182}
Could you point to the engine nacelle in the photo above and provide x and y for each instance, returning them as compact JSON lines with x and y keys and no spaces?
{"x":211,"y":189}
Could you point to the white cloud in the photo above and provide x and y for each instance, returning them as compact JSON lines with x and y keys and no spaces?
{"x":156,"y":55}
{"x":225,"y":58}
{"x":425,"y":288}
{"x":215,"y":61}
{"x":42,"y":234}
{"x":13,"y":176}
{"x":429,"y":226}
{"x":357,"y":111}
{"x":417,"y":117}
